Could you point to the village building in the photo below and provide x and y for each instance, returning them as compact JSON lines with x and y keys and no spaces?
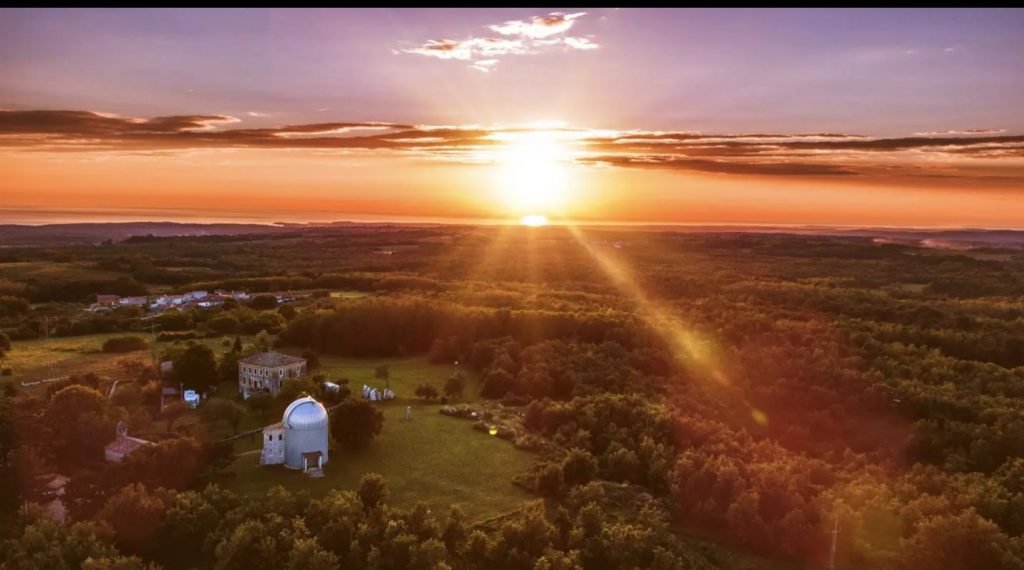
{"x":123,"y":445}
{"x":267,"y":372}
{"x":300,"y":440}
{"x":108,"y":300}
{"x":134,"y":301}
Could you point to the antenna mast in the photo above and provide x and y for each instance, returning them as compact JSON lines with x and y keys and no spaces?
{"x":835,"y":535}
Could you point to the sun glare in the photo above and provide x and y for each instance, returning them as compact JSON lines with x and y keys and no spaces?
{"x":535,"y":220}
{"x":533,"y":175}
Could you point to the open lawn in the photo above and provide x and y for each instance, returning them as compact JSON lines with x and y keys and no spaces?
{"x":405,"y":374}
{"x":434,"y":459}
{"x":348,"y":294}
{"x":38,"y":359}
{"x":52,"y":271}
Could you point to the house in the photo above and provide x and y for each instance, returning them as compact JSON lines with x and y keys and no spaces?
{"x":123,"y":445}
{"x":194,"y":295}
{"x":267,"y":371}
{"x":236,"y":295}
{"x":211,"y":301}
{"x":108,"y":300}
{"x":134,"y":301}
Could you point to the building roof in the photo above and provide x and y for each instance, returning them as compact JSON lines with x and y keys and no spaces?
{"x":125,"y":445}
{"x":274,"y":427}
{"x":271,"y":359}
{"x":305,"y":414}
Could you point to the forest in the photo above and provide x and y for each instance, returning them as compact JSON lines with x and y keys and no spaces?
{"x":691,"y":400}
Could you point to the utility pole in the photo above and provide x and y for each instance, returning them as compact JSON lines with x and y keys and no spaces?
{"x":835,"y":536}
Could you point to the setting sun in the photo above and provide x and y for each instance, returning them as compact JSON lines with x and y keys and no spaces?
{"x":533,"y":174}
{"x":535,"y":220}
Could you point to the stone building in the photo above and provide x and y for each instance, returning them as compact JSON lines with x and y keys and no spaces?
{"x":301,"y":440}
{"x":123,"y":445}
{"x":267,"y":371}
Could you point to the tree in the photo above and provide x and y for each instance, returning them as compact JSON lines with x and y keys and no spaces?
{"x":263,"y":302}
{"x":118,"y":563}
{"x":455,"y":530}
{"x":172,"y":464}
{"x":260,"y":403}
{"x":427,"y":392}
{"x":455,"y":385}
{"x":217,"y":455}
{"x":307,"y":554}
{"x":137,"y":517}
{"x":355,"y":423}
{"x":173,"y":411}
{"x":219,"y":409}
{"x":262,"y":341}
{"x":5,"y":344}
{"x":266,"y":321}
{"x":125,"y":344}
{"x":312,"y":359}
{"x":579,"y":467}
{"x":497,"y":383}
{"x":237,"y":347}
{"x":80,"y":424}
{"x":383,"y":372}
{"x":227,"y":369}
{"x":287,"y":311}
{"x":224,"y":324}
{"x":190,"y":521}
{"x":373,"y":490}
{"x":197,"y":368}
{"x":549,"y":480}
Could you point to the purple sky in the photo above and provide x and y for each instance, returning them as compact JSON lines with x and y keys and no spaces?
{"x":854,"y":116}
{"x":878,"y":72}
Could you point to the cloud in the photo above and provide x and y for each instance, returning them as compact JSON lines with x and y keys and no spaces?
{"x":517,"y":37}
{"x":723,"y":167}
{"x":974,"y":154}
{"x":484,"y":65}
{"x":538,"y":26}
{"x":962,"y":132}
{"x":257,"y":114}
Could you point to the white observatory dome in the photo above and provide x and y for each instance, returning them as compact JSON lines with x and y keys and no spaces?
{"x":305,"y":431}
{"x":305,"y":414}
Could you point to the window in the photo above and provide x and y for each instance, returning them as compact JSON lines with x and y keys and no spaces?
{"x":270,"y":437}
{"x":279,"y":437}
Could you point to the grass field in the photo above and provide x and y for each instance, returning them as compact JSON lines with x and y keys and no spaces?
{"x":431,"y":458}
{"x":434,"y":459}
{"x":405,"y":374}
{"x":37,"y":359}
{"x":49,"y":270}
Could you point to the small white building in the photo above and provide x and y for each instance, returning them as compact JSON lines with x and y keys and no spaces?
{"x":191,"y":397}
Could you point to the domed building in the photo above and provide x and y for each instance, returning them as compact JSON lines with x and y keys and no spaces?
{"x":300,"y":441}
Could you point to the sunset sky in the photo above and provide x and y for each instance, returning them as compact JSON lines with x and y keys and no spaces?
{"x":843,"y":117}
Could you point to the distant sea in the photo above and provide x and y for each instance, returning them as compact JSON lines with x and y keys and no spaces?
{"x":42,"y":216}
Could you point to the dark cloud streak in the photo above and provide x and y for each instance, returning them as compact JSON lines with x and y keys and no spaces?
{"x":761,"y":154}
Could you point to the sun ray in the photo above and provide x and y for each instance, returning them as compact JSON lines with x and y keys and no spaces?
{"x":696,"y":351}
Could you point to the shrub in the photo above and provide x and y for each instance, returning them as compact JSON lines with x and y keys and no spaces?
{"x":125,"y":344}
